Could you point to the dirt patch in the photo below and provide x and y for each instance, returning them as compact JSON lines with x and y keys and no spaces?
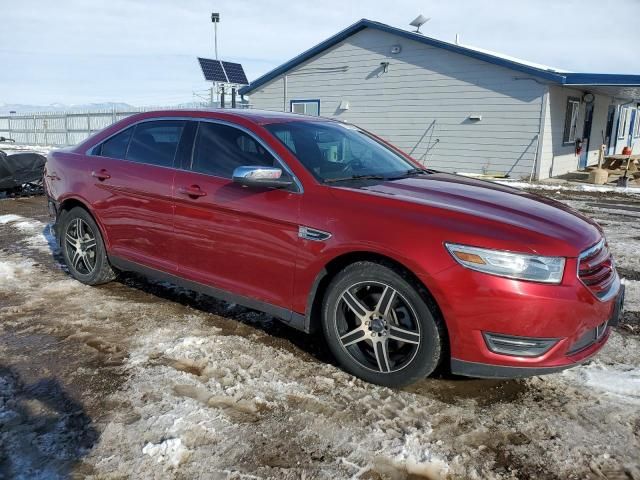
{"x":628,"y":273}
{"x":455,"y":389}
{"x":630,"y":322}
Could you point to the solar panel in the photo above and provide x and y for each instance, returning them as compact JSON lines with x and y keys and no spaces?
{"x":212,"y":70}
{"x":235,"y":73}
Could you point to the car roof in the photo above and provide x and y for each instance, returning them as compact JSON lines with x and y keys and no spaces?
{"x":261,"y":117}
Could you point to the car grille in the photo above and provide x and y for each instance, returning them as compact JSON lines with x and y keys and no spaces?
{"x":597,"y":271}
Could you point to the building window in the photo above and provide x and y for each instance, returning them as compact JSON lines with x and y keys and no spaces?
{"x":571,"y":120}
{"x":636,"y":127}
{"x":306,"y":107}
{"x":623,"y":121}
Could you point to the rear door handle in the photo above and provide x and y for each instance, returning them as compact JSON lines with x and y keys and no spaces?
{"x":192,"y":191}
{"x":101,"y":175}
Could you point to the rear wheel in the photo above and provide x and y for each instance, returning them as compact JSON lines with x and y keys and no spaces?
{"x":379,"y":327}
{"x":83,"y":248}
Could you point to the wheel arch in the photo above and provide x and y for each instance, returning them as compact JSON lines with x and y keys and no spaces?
{"x":71,"y":202}
{"x":336,"y":264}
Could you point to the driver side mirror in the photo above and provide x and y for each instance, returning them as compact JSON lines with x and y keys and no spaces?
{"x":265,"y":177}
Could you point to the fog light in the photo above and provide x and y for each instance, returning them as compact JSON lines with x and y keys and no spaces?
{"x":518,"y":346}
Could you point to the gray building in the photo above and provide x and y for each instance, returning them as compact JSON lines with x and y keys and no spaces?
{"x":457,"y":108}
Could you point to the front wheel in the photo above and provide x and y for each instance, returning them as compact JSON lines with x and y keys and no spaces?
{"x":379,"y":327}
{"x":83,"y":248}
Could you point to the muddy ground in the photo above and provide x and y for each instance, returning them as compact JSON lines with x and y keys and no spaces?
{"x":143,"y":380}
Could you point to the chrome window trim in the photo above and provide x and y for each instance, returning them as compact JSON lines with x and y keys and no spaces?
{"x":282,"y":163}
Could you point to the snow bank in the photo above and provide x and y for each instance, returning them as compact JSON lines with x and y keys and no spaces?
{"x":570,"y":187}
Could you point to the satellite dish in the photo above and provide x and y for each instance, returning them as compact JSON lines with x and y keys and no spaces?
{"x":418,"y":22}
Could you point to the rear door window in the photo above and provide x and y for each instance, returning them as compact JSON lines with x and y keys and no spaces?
{"x":156,"y":142}
{"x":220,"y":149}
{"x":116,"y":146}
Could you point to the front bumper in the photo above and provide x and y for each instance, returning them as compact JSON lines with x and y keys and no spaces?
{"x":474,"y":304}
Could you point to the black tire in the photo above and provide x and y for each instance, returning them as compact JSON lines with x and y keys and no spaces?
{"x":408,"y":317}
{"x":96,"y":257}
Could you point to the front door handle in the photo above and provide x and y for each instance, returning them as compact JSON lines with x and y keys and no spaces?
{"x":101,"y":175}
{"x":192,"y":191}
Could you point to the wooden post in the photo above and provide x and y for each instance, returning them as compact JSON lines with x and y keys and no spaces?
{"x":603,"y":147}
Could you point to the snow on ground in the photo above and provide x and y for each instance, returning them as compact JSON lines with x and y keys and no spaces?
{"x":10,"y":148}
{"x":142,"y":380}
{"x":570,"y":186}
{"x":10,"y":270}
{"x":39,"y":235}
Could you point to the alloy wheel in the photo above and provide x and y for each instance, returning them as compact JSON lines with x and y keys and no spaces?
{"x":377,"y":326}
{"x":80,"y":244}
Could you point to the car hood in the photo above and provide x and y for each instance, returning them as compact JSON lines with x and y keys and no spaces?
{"x":498,"y":210}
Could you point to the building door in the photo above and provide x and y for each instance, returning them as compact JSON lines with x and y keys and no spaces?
{"x":609,"y":135}
{"x":586,"y":135}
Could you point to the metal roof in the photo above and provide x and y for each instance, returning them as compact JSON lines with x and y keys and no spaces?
{"x":582,"y":80}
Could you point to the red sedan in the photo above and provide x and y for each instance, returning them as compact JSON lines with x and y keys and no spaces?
{"x":325,"y":226}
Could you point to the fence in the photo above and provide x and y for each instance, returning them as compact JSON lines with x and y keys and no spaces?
{"x":62,"y":128}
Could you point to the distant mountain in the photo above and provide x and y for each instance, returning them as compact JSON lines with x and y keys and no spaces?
{"x":7,"y":108}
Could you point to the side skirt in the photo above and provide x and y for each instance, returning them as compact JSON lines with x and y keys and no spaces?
{"x":291,"y":318}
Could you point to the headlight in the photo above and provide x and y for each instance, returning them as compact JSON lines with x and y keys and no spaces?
{"x":521,"y":266}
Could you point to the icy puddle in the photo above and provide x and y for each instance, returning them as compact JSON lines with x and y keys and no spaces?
{"x":143,"y":380}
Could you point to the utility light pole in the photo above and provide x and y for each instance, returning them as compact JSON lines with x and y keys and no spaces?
{"x":215,"y":19}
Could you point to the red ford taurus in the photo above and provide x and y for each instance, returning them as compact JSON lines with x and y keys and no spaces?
{"x":325,"y":226}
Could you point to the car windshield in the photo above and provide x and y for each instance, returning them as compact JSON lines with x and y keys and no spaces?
{"x":336,"y":152}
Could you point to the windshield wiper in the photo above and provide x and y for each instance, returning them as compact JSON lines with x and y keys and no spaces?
{"x":410,"y":173}
{"x":355,"y":177}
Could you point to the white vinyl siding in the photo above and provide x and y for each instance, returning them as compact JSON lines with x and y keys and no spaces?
{"x":558,"y":156}
{"x":423,"y":103}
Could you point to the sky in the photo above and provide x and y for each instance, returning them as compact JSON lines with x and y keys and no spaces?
{"x":143,"y":52}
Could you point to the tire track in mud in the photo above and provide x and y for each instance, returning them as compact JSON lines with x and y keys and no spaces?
{"x":176,"y":385}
